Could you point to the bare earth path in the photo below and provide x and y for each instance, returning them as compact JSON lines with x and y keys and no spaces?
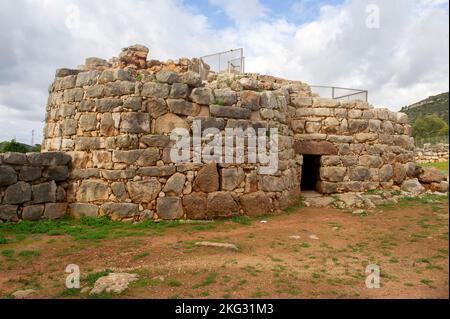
{"x":309,"y":253}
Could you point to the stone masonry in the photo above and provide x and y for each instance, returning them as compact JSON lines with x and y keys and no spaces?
{"x":114,"y":119}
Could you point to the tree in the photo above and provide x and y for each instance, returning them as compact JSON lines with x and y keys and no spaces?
{"x":429,"y":126}
{"x":14,"y":146}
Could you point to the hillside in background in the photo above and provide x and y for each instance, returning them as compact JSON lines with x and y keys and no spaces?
{"x":18,"y":147}
{"x":433,"y":105}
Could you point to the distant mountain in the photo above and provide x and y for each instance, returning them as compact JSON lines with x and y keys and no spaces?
{"x":436,"y":104}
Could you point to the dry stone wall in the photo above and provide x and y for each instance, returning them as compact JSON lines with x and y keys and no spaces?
{"x":432,"y":153}
{"x":365,"y":148}
{"x":114,"y":119}
{"x":32,"y":185}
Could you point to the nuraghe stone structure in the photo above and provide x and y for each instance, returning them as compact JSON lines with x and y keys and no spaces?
{"x":114,"y":119}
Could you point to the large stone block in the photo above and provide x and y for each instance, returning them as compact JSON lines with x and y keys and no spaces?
{"x":156,"y":90}
{"x":119,"y":211}
{"x":191,"y":78}
{"x":272,"y":183}
{"x":207,"y":179}
{"x":250,"y":100}
{"x":315,"y":148}
{"x":48,"y":158}
{"x":57,"y":173}
{"x":229,"y":111}
{"x":159,"y":141}
{"x":359,"y":173}
{"x":231,"y":178}
{"x":157,"y":171}
{"x":168,"y":122}
{"x":167,"y":76}
{"x":144,"y":191}
{"x":225,"y":97}
{"x":14,"y":158}
{"x":17,"y":193}
{"x":9,"y":213}
{"x":430,"y":175}
{"x":92,"y":190}
{"x":33,"y":212}
{"x":55,"y":210}
{"x":174,"y":184}
{"x":399,"y":173}
{"x":119,"y":88}
{"x":182,"y":107}
{"x":413,"y":186}
{"x":133,"y":102}
{"x":386,"y":172}
{"x":169,"y":207}
{"x":118,"y":174}
{"x":29,"y":173}
{"x":179,"y":91}
{"x":8,"y":176}
{"x":194,"y":205}
{"x":135,"y":122}
{"x":107,"y":105}
{"x":88,"y":122}
{"x":156,"y":107}
{"x":255,"y":204}
{"x":333,"y":174}
{"x":202,"y":95}
{"x":81,"y":209}
{"x":221,"y":204}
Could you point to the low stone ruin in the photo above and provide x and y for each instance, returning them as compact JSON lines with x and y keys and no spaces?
{"x":114,"y":119}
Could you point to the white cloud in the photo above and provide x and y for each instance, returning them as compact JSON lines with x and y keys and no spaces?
{"x":405,"y":60}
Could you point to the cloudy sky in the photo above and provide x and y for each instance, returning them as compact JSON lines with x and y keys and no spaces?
{"x":398,"y":50}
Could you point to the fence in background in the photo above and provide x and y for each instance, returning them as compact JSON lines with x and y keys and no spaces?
{"x":232,"y":61}
{"x":339,"y":93}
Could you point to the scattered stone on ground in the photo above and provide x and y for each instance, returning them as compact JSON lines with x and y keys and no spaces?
{"x":312,"y":236}
{"x":21,"y":294}
{"x":113,"y":283}
{"x":214,"y":244}
{"x":294,"y":237}
{"x":358,"y":212}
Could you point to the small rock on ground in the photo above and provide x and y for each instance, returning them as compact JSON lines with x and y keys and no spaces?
{"x":113,"y":282}
{"x":312,"y":236}
{"x":214,"y":244}
{"x":294,"y":237}
{"x":21,"y":294}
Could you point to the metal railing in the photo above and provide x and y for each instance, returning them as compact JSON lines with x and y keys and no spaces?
{"x":232,"y":61}
{"x":340,"y":93}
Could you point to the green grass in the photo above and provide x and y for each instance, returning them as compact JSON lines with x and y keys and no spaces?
{"x":8,"y":253}
{"x":29,"y":254}
{"x":172,"y":282}
{"x":243,"y":220}
{"x":210,"y":279}
{"x":442,"y":166}
{"x":140,"y":255}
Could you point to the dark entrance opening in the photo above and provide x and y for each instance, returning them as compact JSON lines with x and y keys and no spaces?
{"x":310,"y":172}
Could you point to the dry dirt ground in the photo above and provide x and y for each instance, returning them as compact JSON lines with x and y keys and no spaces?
{"x":303,"y":253}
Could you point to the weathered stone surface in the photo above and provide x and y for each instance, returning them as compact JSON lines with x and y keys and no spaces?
{"x":17,"y":193}
{"x":156,"y":107}
{"x":48,"y":158}
{"x":225,"y":97}
{"x":118,"y":174}
{"x":133,"y":102}
{"x":201,"y":95}
{"x":107,"y":105}
{"x":169,"y":207}
{"x":272,"y":100}
{"x":166,"y":123}
{"x":14,"y":158}
{"x":399,"y":173}
{"x":356,"y":126}
{"x":119,"y":190}
{"x":167,"y":76}
{"x":88,"y":122}
{"x":231,"y":178}
{"x":174,"y":184}
{"x":386,"y":172}
{"x":221,"y":204}
{"x":250,"y":100}
{"x":327,"y":187}
{"x":333,"y":174}
{"x":119,"y":211}
{"x":113,"y":283}
{"x":119,"y":88}
{"x":33,"y":212}
{"x":430,"y":175}
{"x":272,"y":183}
{"x":82,"y":209}
{"x":135,"y":122}
{"x":359,"y":173}
{"x":159,"y":141}
{"x":8,"y":213}
{"x":182,"y":107}
{"x":144,"y":191}
{"x":156,"y":90}
{"x":8,"y":176}
{"x":107,"y":124}
{"x":157,"y":171}
{"x":413,"y":186}
{"x":92,"y":190}
{"x":23,"y":294}
{"x":191,"y":78}
{"x":55,"y":210}
{"x":207,"y":179}
{"x":178,"y":91}
{"x":57,"y":173}
{"x":195,"y":205}
{"x":210,"y":122}
{"x":255,"y":204}
{"x":229,"y":111}
{"x":315,"y":148}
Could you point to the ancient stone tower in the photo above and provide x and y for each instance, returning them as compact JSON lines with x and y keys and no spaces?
{"x":114,"y":118}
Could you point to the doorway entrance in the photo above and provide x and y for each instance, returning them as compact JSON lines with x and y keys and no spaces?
{"x":310,"y":172}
